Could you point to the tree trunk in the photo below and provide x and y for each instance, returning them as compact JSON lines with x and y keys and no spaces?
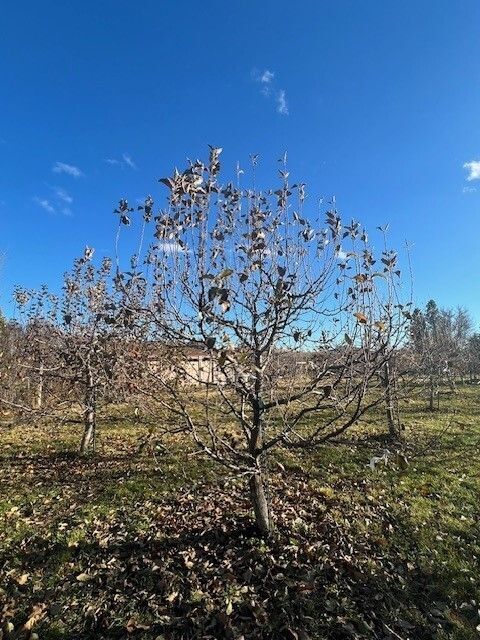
{"x":451,"y":382}
{"x":257,"y":482}
{"x":89,"y":432}
{"x":260,"y":504}
{"x":390,"y":398}
{"x":432,"y":394}
{"x":39,"y":394}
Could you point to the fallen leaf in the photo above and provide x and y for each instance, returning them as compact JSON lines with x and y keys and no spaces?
{"x":83,"y":577}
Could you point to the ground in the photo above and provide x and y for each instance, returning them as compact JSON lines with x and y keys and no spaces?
{"x":154,"y":543}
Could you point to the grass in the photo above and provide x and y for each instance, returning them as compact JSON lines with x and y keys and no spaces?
{"x":158,"y":544}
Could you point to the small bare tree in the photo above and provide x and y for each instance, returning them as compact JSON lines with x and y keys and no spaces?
{"x":92,"y":349}
{"x":36,"y":351}
{"x":439,"y":339}
{"x":12,"y":376}
{"x":77,"y":343}
{"x":245,"y":286}
{"x":473,"y":357}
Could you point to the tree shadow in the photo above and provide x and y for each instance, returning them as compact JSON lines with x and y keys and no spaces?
{"x":199,"y":570}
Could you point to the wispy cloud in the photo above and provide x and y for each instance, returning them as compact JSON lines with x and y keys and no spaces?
{"x":59,"y":202}
{"x":126,"y":161}
{"x":127,"y":158}
{"x":268,"y":87}
{"x":264,"y":78}
{"x":69,"y":169}
{"x":473,"y":168}
{"x":282,"y":106}
{"x":267,"y":76}
{"x":63,"y":195}
{"x":469,"y":189}
{"x":45,"y":204}
{"x":170,"y":247}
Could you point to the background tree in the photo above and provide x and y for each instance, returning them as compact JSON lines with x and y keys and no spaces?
{"x":35,"y":351}
{"x":439,"y":338}
{"x":76,"y":343}
{"x":473,"y":357}
{"x":12,"y":377}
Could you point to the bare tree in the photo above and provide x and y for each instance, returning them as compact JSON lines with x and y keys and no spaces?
{"x":34,"y":351}
{"x":91,"y":327}
{"x":439,"y":338}
{"x":473,"y":357}
{"x":76,"y":343}
{"x":12,"y":382}
{"x":243,"y":280}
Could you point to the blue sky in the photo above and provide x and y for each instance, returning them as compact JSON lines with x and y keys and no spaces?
{"x":377,"y":102}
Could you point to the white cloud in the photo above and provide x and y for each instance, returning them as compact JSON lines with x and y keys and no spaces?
{"x":469,"y":189}
{"x":69,"y":169}
{"x":60,"y":203}
{"x":127,"y":158}
{"x":282,"y":106}
{"x":265,"y":79}
{"x":45,"y":204}
{"x":63,"y":195}
{"x":170,"y":247}
{"x":267,"y":76}
{"x":473,"y":168}
{"x":126,"y":161}
{"x":269,"y":88}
